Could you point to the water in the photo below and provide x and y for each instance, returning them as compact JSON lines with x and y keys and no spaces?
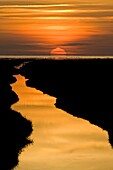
{"x":61,"y":141}
{"x":53,"y":57}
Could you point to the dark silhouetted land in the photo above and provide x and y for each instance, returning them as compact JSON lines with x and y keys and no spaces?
{"x":14,"y":128}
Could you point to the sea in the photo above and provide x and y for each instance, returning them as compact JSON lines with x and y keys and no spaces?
{"x":53,"y":57}
{"x":60,"y":140}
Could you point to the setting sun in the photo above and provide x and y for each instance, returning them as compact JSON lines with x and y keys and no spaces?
{"x":58,"y":51}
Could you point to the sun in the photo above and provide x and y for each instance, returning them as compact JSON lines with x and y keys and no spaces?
{"x":58,"y":51}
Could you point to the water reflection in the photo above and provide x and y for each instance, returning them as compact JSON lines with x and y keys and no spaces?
{"x":61,"y":141}
{"x":83,"y":88}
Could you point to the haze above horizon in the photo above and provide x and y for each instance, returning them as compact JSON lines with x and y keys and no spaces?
{"x":36,"y":28}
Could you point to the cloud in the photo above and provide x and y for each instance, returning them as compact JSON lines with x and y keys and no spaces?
{"x":71,"y":11}
{"x":85,"y":19}
{"x":101,"y":44}
{"x":17,"y":44}
{"x":98,"y":44}
{"x":12,"y":44}
{"x":75,"y":43}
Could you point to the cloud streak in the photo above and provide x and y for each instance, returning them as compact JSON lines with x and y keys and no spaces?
{"x":68,"y":24}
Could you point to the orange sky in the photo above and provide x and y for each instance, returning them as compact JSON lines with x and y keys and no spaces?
{"x":81,"y":28}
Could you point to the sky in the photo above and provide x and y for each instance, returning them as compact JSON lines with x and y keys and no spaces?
{"x":60,"y":140}
{"x":38,"y":27}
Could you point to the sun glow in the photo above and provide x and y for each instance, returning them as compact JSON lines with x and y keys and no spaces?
{"x":58,"y":51}
{"x":40,"y":28}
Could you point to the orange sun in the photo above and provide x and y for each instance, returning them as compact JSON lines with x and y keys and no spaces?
{"x":58,"y":51}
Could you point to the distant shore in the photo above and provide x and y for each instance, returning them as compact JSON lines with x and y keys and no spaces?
{"x":54,"y":57}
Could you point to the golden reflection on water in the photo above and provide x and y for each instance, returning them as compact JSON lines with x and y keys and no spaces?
{"x":61,"y":141}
